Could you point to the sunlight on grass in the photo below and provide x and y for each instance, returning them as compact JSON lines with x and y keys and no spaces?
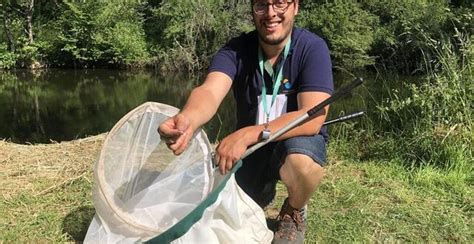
{"x":378,"y":201}
{"x":371,"y":201}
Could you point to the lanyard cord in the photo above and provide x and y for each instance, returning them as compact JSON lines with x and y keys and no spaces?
{"x":276,"y":80}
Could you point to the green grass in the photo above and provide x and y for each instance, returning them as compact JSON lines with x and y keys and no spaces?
{"x":357,"y":202}
{"x":377,"y":201}
{"x":59,"y":216}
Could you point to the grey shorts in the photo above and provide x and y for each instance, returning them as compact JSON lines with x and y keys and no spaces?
{"x":260,"y":170}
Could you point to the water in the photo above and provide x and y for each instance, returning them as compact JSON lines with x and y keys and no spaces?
{"x":62,"y":105}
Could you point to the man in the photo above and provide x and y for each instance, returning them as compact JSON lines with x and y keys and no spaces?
{"x":293,"y":69}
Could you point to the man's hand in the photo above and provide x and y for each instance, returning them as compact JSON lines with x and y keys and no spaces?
{"x":232,"y":147}
{"x":176,"y":132}
{"x":202,"y":104}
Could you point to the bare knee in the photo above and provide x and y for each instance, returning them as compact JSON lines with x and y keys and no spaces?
{"x":299,"y":168}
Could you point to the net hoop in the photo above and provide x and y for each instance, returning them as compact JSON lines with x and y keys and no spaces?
{"x":101,"y":188}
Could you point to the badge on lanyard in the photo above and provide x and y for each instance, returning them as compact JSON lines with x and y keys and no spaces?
{"x":276,"y":78}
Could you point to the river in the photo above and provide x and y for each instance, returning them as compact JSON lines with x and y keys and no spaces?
{"x":61,"y":105}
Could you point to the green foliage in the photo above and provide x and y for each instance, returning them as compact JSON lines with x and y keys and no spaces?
{"x":83,"y":33}
{"x":426,"y":122}
{"x":347,"y":27}
{"x":400,"y":41}
{"x":7,"y":59}
{"x":183,"y":35}
{"x":391,"y":33}
{"x":75,"y":26}
{"x":191,"y":31}
{"x":120,"y":36}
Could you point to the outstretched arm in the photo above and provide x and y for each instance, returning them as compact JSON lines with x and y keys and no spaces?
{"x":200,"y":107}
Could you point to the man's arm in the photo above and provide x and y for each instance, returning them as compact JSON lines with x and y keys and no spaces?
{"x":200,"y":107}
{"x":204,"y":100}
{"x":233,"y":146}
{"x":306,"y":101}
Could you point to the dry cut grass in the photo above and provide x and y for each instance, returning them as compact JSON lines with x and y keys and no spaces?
{"x":46,"y":190}
{"x":38,"y":169}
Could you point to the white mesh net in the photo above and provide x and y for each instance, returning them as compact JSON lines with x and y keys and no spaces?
{"x":141,"y":189}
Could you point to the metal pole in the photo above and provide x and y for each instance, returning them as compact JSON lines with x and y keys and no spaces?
{"x":346,"y":90}
{"x":344,"y":118}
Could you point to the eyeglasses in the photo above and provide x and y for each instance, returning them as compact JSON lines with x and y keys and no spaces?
{"x":279,"y":6}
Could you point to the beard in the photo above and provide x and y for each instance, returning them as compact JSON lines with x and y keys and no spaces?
{"x":273,"y":41}
{"x":277,"y":40}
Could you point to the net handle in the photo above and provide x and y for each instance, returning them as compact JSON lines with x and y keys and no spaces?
{"x":344,"y":91}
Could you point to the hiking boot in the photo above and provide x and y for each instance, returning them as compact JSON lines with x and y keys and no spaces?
{"x":291,"y":225}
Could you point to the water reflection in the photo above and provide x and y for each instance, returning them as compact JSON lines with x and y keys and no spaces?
{"x":68,"y":104}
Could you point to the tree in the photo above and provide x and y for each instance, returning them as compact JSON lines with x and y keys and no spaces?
{"x":5,"y":13}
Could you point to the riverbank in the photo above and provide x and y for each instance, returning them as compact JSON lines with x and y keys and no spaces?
{"x":41,"y":168}
{"x":46,"y":196}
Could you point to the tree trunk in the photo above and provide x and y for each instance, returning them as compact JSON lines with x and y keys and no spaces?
{"x":29,"y":21}
{"x":8,"y":32}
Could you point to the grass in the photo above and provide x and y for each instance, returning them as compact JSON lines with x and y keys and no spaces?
{"x":382,"y":201}
{"x":46,"y":190}
{"x":46,"y":196}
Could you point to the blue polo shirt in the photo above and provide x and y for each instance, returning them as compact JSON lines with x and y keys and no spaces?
{"x":307,"y":68}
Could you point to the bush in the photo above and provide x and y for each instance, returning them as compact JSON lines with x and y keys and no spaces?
{"x":183,"y":35}
{"x":89,"y":34}
{"x":7,"y":59}
{"x":120,"y":37}
{"x":405,"y":26}
{"x":432,"y":123}
{"x":348,"y":29}
{"x":192,"y":31}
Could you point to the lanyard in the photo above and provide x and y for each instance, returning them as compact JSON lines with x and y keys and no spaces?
{"x":276,"y":79}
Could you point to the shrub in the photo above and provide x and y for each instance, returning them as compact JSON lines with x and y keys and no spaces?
{"x":405,"y":26}
{"x":120,"y":37}
{"x":193,"y":30}
{"x":432,"y":123}
{"x":7,"y":59}
{"x":348,"y":29}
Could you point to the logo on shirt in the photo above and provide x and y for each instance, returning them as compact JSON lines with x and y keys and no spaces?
{"x":287,"y":85}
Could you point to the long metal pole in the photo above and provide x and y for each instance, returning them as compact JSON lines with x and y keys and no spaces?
{"x":344,"y":91}
{"x":344,"y":118}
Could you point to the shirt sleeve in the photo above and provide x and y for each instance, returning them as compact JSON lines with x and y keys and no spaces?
{"x":225,"y":60}
{"x":316,"y":67}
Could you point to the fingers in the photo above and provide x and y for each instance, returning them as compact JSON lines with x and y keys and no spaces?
{"x":224,"y":162}
{"x":176,"y":133}
{"x":181,"y":143}
{"x":168,"y":132}
{"x":170,"y":140}
{"x":225,"y":165}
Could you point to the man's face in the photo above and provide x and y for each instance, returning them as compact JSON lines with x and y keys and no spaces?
{"x":273,"y":26}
